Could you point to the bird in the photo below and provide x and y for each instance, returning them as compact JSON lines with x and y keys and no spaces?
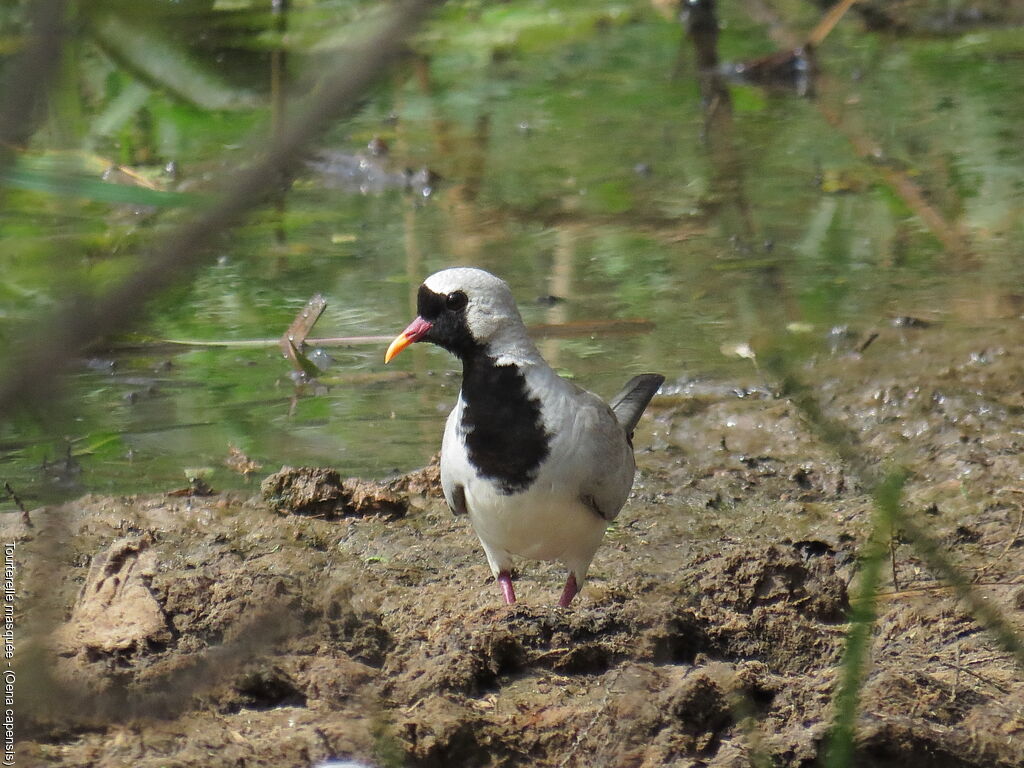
{"x":539,"y":465}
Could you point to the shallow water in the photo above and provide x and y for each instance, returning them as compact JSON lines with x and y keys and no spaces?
{"x":577,"y":159}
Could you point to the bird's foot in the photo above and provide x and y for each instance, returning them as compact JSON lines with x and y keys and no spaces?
{"x":570,"y":591}
{"x":505,"y":582}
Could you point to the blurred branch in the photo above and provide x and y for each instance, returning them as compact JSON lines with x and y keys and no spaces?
{"x":29,"y":77}
{"x":31,"y":372}
{"x":30,"y":377}
{"x":54,"y":702}
{"x":160,"y":63}
{"x":866,"y":468}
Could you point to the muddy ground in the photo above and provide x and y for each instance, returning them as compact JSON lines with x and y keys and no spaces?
{"x":219,"y":631}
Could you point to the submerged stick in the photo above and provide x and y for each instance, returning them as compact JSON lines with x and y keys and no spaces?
{"x":293,"y":342}
{"x":828,"y":22}
{"x":573,"y":330}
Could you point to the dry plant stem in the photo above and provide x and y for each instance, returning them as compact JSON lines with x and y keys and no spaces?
{"x":31,"y":376}
{"x":982,"y":610}
{"x":958,"y":668}
{"x":933,"y":588}
{"x":892,"y":561}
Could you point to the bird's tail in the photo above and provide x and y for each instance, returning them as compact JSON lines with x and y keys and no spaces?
{"x":630,"y":403}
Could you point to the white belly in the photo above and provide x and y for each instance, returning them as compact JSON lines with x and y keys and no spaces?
{"x":540,"y":524}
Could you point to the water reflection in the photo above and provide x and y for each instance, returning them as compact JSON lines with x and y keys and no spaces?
{"x":648,"y":186}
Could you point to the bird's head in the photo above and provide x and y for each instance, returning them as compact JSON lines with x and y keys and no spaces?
{"x":463,"y":309}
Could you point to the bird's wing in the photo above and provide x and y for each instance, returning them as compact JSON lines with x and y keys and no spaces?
{"x":457,"y":501}
{"x":602,"y":456}
{"x":632,"y":400}
{"x":453,"y":461}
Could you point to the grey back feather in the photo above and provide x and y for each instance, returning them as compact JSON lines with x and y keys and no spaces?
{"x":628,"y":406}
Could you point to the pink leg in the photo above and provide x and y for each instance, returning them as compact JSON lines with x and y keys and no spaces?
{"x":505,"y":582}
{"x":570,"y":591}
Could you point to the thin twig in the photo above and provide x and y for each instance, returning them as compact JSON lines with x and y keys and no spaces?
{"x":956,"y":677}
{"x":967,"y":671}
{"x":585,"y":730}
{"x":939,"y":588}
{"x":867,"y":342}
{"x":1009,"y":545}
{"x":25,"y":518}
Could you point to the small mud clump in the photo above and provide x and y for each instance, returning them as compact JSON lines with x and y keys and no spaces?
{"x":321,"y":492}
{"x":116,"y":613}
{"x":810,"y":586}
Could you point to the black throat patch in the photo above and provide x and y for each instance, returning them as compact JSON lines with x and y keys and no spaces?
{"x":448,"y":327}
{"x":503,"y":427}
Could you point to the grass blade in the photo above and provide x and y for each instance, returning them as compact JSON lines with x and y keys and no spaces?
{"x":839,"y":750}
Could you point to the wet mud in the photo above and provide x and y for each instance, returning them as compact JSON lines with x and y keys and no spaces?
{"x":330,"y":618}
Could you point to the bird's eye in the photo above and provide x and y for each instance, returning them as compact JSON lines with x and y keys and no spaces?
{"x":456,"y":300}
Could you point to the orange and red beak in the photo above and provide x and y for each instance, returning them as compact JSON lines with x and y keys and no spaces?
{"x":417,"y":329}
